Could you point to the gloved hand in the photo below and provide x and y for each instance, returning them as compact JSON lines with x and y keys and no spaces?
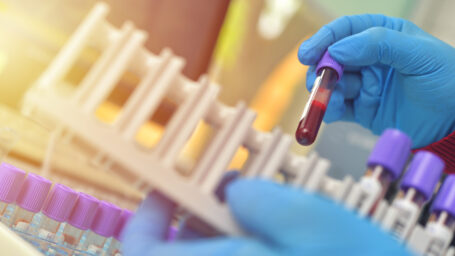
{"x":281,"y":221}
{"x":396,"y":76}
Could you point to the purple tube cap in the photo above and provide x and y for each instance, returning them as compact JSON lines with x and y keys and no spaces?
{"x":84,"y":211}
{"x":60,"y":203}
{"x":123,"y":220}
{"x":33,"y":193}
{"x":327,"y":62}
{"x":11,"y":180}
{"x":106,"y":219}
{"x":445,"y":200}
{"x":423,"y":173}
{"x":391,"y":151}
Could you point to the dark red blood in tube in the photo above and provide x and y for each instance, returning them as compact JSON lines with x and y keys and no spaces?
{"x":308,"y":127}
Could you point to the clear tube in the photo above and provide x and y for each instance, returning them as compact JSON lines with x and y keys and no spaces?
{"x":21,"y":220}
{"x":440,"y":227}
{"x":114,"y":248}
{"x":72,"y":235}
{"x":48,"y":228}
{"x":94,"y":243}
{"x":314,"y":110}
{"x":407,"y":205}
{"x":374,"y":184}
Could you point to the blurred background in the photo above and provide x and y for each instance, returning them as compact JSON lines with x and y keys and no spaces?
{"x":248,"y":47}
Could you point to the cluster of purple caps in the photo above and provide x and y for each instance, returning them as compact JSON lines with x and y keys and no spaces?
{"x":34,"y":193}
{"x":423,"y":173}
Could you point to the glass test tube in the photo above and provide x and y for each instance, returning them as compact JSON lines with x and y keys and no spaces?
{"x":56,"y":211}
{"x":103,"y":227}
{"x":417,"y":187}
{"x":80,"y":219}
{"x":11,"y":180}
{"x":329,"y":72}
{"x":441,"y":224}
{"x":30,"y":201}
{"x":385,"y":165}
{"x":115,"y":246}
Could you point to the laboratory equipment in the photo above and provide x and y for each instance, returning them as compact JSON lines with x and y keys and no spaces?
{"x":56,"y":211}
{"x":329,"y":72}
{"x":103,"y":227}
{"x":417,"y":188}
{"x":115,"y":245}
{"x":385,"y":165}
{"x":30,"y":201}
{"x":435,"y":239}
{"x":11,"y":180}
{"x":80,"y":220}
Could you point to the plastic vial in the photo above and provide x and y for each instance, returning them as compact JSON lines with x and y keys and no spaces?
{"x":103,"y":227}
{"x":385,"y":164}
{"x":441,"y":224}
{"x":115,"y":246}
{"x":329,"y":72}
{"x":30,"y":201}
{"x":11,"y":180}
{"x":416,"y":189}
{"x":56,"y":211}
{"x":80,"y":219}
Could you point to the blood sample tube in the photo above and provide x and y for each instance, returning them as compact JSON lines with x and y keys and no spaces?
{"x":385,"y":164}
{"x":80,"y":219}
{"x":115,"y":246}
{"x":329,"y":72}
{"x":103,"y":227}
{"x":441,"y":225}
{"x":57,"y":209}
{"x":11,"y":180}
{"x":416,"y":189}
{"x":30,"y":201}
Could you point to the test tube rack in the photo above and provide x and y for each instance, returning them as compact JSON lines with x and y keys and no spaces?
{"x":122,"y":49}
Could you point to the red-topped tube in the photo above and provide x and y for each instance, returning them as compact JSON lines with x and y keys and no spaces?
{"x":329,"y":72}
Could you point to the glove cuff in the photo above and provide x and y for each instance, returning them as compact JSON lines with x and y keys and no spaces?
{"x":445,"y":149}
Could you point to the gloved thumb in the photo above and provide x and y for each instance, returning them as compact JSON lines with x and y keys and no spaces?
{"x":399,"y":50}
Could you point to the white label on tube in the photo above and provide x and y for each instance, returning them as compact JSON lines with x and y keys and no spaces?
{"x":407,"y":214}
{"x":314,"y":91}
{"x":440,"y":239}
{"x":371,"y":189}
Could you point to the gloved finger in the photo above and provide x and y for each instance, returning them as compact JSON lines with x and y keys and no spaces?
{"x":149,"y":225}
{"x":336,"y":107}
{"x":209,"y":247}
{"x":311,"y":50}
{"x":272,"y":212}
{"x":367,"y":103}
{"x":381,"y":45}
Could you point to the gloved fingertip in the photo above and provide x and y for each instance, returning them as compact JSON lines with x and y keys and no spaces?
{"x":227,"y":179}
{"x":310,"y":77}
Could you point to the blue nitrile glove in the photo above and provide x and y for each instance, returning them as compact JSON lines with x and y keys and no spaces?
{"x":280,"y":220}
{"x":396,"y":76}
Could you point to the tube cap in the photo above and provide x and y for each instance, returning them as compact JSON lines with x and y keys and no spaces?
{"x":423,"y":173}
{"x":123,"y":220}
{"x":445,"y":200}
{"x":106,"y":219}
{"x":60,"y":203}
{"x":33,"y":193}
{"x":11,"y":180}
{"x":391,"y":151}
{"x":84,"y":211}
{"x":327,"y":62}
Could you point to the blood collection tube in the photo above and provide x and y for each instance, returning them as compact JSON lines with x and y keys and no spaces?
{"x":11,"y":180}
{"x":329,"y":72}
{"x":56,"y":211}
{"x":385,"y":164}
{"x":30,"y":201}
{"x":115,"y":246}
{"x":103,"y":227}
{"x":80,"y":220}
{"x":441,"y":225}
{"x":416,"y":189}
